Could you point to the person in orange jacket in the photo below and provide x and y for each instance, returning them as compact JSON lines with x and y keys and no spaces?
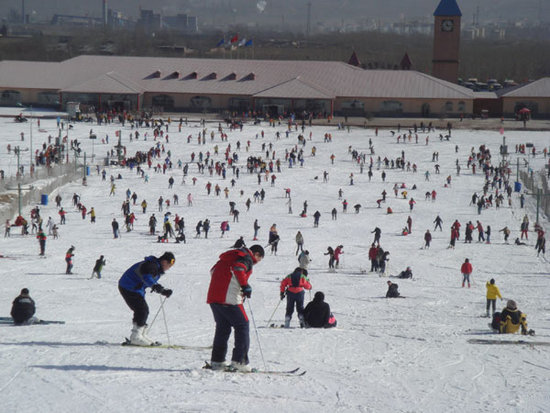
{"x":292,"y":286}
{"x":466,"y":269}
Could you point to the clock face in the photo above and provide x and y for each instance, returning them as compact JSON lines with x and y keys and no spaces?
{"x":447,"y":25}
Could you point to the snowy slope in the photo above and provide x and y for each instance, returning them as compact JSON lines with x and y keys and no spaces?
{"x":400,"y":355}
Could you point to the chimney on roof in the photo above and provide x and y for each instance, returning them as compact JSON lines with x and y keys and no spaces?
{"x":354,"y":60}
{"x":406,"y":63}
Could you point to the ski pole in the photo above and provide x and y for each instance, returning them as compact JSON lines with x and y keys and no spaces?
{"x":164,"y":317}
{"x":257,"y":335}
{"x":268,"y":321}
{"x":156,"y":315}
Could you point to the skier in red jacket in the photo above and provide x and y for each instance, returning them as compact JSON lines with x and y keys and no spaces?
{"x":228,"y":287}
{"x":466,"y":269}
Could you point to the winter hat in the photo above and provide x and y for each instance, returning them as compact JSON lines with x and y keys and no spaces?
{"x":25,"y":291}
{"x":319,"y":296}
{"x":492,"y":281}
{"x":511,"y":304}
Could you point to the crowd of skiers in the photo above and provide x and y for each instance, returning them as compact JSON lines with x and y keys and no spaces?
{"x":229,"y":285}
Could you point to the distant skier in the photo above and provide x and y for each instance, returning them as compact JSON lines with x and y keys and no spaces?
{"x":42,"y":242}
{"x":304,"y":259}
{"x":330,"y":253}
{"x":292,"y":286}
{"x":273,"y":239}
{"x":492,"y":293}
{"x":69,"y":259}
{"x":99,"y":264}
{"x":299,"y":242}
{"x":337,"y":252}
{"x":466,"y":270}
{"x":115,"y":227}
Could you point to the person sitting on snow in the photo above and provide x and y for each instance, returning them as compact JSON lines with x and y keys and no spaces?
{"x":23,"y":309}
{"x":510,"y":319}
{"x":407,"y":273}
{"x":392,"y":290}
{"x":317,"y":313}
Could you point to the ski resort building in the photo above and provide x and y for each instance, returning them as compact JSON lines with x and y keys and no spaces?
{"x":217,"y":85}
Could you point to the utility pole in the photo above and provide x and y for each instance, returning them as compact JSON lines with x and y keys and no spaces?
{"x":30,"y":124}
{"x":539,"y":195}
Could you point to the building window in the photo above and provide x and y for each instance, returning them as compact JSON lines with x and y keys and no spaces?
{"x":201,"y":102}
{"x":164,"y":101}
{"x":239,"y":104}
{"x":392,"y":106}
{"x":10,"y":96}
{"x":48,"y":98}
{"x":448,"y":107}
{"x":461,"y":106}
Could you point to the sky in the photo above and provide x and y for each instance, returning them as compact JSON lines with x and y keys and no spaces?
{"x":275,"y":11}
{"x":408,"y":354}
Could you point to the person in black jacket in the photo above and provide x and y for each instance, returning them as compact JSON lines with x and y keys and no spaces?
{"x":392,"y":290}
{"x":317,"y":313}
{"x":23,"y":309}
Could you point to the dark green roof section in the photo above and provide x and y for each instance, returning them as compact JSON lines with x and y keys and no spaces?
{"x":447,"y":8}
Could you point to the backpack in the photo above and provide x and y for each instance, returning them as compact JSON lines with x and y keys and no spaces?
{"x":295,"y":278}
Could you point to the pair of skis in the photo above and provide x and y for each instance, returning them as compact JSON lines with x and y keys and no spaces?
{"x":156,"y":344}
{"x":294,"y":372}
{"x":207,"y":366}
{"x":9,"y":320}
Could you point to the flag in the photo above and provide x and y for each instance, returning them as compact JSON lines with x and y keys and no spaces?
{"x":242,"y":42}
{"x":235,"y":39}
{"x":248,"y":43}
{"x":220,"y":43}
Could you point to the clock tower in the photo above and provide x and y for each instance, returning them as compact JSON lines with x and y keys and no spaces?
{"x":446,"y":41}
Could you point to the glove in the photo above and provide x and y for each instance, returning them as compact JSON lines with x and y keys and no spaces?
{"x":247,"y":290}
{"x":157,"y":288}
{"x":166,"y":292}
{"x":283,"y":295}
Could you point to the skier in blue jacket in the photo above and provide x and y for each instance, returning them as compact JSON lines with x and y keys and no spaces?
{"x":132,"y":287}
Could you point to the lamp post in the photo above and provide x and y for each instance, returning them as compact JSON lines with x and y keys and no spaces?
{"x":30,"y":125}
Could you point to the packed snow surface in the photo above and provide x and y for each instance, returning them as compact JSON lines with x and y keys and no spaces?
{"x":386,"y":355}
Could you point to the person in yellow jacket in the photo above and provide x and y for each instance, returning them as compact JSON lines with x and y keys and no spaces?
{"x":492,"y":294}
{"x":511,"y":319}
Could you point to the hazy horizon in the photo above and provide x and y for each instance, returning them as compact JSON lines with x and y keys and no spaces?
{"x":285,"y":12}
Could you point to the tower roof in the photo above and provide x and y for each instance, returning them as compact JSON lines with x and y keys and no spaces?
{"x":406,"y":62}
{"x":354,"y":60}
{"x":447,"y":8}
